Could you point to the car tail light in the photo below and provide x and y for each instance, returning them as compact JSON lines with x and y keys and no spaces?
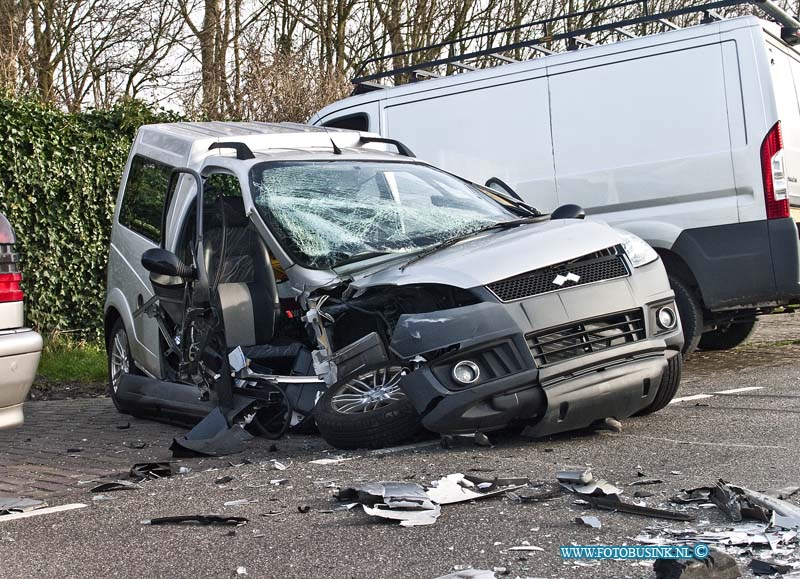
{"x":9,"y":287}
{"x":772,"y":170}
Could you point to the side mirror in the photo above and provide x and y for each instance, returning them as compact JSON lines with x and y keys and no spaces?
{"x":502,"y":187}
{"x":569,"y":211}
{"x":160,"y":261}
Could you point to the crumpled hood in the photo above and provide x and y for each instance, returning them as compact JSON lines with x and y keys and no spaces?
{"x":497,"y":255}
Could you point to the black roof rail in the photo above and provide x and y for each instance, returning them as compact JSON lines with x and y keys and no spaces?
{"x":365,"y":81}
{"x":401,"y":148}
{"x":243,"y":152}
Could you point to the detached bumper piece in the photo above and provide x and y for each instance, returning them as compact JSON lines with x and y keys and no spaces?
{"x":211,"y":437}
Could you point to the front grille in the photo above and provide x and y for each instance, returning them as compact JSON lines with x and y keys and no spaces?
{"x":599,"y":266}
{"x":594,"y":335}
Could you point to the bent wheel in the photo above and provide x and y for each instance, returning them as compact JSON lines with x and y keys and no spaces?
{"x":367,"y":409}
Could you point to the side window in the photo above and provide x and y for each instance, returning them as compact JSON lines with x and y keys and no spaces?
{"x":143,"y":200}
{"x":356,"y":122}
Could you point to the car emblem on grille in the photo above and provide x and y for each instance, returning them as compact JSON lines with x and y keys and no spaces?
{"x":562,"y":279}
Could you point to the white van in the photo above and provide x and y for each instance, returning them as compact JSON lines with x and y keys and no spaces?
{"x":677,"y":137}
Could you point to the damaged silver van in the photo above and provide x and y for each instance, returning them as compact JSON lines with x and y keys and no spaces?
{"x":279,"y":273}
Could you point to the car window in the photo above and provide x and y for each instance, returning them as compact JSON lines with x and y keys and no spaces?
{"x":330,"y":213}
{"x":143,"y":200}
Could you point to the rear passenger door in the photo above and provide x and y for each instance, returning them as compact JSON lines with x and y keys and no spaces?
{"x":140,"y":219}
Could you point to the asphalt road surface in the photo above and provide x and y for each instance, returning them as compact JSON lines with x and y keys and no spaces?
{"x":735,"y":419}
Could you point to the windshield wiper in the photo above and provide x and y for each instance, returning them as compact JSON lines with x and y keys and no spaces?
{"x":457,"y":238}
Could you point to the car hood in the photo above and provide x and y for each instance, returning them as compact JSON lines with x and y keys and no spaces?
{"x":497,"y":255}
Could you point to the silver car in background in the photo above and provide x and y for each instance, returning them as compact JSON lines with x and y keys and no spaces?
{"x":20,"y":347}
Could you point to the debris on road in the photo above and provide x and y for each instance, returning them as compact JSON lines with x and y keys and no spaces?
{"x":239,"y":502}
{"x":457,"y":488}
{"x":582,"y":482}
{"x":404,"y":502}
{"x":336,"y":460}
{"x":589,"y":521}
{"x":696,"y":495}
{"x":118,"y":485}
{"x":645,"y":481}
{"x":525,"y":548}
{"x":155,"y":470}
{"x":197,"y":520}
{"x":616,"y":504}
{"x":211,"y":437}
{"x":10,"y":505}
{"x":224,"y":480}
{"x":740,"y":502}
{"x":470,"y":574}
{"x":759,"y":567}
{"x":535,"y":492}
{"x":717,"y":565}
{"x":42,"y":511}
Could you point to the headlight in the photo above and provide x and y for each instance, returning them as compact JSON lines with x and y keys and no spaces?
{"x":639,"y":252}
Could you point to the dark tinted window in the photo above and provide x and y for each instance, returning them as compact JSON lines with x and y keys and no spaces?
{"x":357,"y":122}
{"x":143,"y":201}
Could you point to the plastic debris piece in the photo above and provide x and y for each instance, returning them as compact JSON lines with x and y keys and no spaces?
{"x":717,"y":565}
{"x":696,"y":495}
{"x":239,"y":502}
{"x":303,"y":509}
{"x":152,"y":470}
{"x":197,"y":520}
{"x":278,"y":465}
{"x":241,"y":570}
{"x":784,"y":522}
{"x":211,"y":437}
{"x":759,"y":567}
{"x":19,"y":505}
{"x":42,"y":511}
{"x":278,"y":481}
{"x":642,"y":494}
{"x":589,"y":521}
{"x":525,"y":548}
{"x":119,"y":485}
{"x":739,"y":502}
{"x":470,"y":574}
{"x":645,"y":481}
{"x":458,"y":488}
{"x":610,"y":424}
{"x":615,"y":504}
{"x":224,"y":480}
{"x":400,"y":501}
{"x":336,"y":460}
{"x":482,"y":440}
{"x":575,"y":476}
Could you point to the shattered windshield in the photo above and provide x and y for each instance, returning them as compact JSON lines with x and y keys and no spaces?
{"x":335,"y":212}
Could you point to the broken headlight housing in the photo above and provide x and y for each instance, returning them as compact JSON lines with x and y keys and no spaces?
{"x":637,"y":249}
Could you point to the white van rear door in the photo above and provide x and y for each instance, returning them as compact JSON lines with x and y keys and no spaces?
{"x":785,"y":71}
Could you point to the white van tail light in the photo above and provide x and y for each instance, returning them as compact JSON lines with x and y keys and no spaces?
{"x":772,"y":170}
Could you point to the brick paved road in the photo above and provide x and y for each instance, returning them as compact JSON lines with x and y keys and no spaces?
{"x":34,"y":461}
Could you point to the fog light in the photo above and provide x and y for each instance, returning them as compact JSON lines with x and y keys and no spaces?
{"x":666,"y":318}
{"x":466,"y":372}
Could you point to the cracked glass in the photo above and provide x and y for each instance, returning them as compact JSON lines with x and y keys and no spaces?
{"x":335,"y":212}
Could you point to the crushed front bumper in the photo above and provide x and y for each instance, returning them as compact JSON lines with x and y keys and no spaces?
{"x":517,"y":384}
{"x":20,"y":351}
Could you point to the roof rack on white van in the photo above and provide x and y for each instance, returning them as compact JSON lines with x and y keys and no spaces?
{"x":627,"y":19}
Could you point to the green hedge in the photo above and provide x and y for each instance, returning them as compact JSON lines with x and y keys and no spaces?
{"x":59,"y":177}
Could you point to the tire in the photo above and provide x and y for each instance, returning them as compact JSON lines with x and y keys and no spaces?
{"x":120,"y":362}
{"x":726,"y":338}
{"x":667,"y":388}
{"x":691,"y":312}
{"x":348,"y":419}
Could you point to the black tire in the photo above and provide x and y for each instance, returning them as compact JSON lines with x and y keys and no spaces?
{"x":667,"y":388}
{"x":393,"y":421}
{"x":729,"y":337}
{"x":113,"y":349}
{"x":691,"y":312}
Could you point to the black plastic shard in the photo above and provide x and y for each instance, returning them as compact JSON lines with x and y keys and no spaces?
{"x":613,"y":503}
{"x":197,"y":520}
{"x":760,"y":567}
{"x":696,"y":495}
{"x":717,"y":565}
{"x":152,"y":470}
{"x":119,"y":485}
{"x":211,"y":437}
